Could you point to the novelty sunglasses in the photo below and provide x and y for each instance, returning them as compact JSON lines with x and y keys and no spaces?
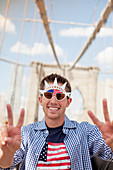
{"x":59,"y":96}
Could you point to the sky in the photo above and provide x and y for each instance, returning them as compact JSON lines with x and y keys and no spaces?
{"x":24,"y":42}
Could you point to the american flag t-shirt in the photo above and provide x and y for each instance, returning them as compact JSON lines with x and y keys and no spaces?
{"x":54,"y":156}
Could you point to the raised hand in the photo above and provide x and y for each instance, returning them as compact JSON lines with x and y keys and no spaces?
{"x":10,"y":136}
{"x":105,"y":128}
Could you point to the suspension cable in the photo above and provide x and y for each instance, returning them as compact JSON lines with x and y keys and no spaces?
{"x":103,"y":18}
{"x":2,"y":36}
{"x":42,"y":11}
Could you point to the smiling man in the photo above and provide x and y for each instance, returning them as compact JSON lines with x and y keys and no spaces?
{"x":55,"y":142}
{"x":54,"y":100}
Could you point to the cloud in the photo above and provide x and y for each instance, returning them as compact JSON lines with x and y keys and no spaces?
{"x":104,"y":32}
{"x":76,"y":32}
{"x":85,"y":32}
{"x":105,"y":57}
{"x":59,"y":50}
{"x":37,"y":49}
{"x":10,"y":27}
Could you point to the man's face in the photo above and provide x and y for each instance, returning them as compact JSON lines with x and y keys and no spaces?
{"x":54,"y":109}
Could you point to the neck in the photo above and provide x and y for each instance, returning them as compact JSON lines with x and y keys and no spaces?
{"x":54,"y":123}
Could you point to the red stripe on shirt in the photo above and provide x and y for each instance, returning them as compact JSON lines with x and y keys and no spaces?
{"x":56,"y":158}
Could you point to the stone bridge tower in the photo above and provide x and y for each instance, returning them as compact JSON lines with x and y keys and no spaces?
{"x":83,"y":79}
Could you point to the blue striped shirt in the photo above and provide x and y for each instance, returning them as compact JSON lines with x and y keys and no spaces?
{"x":82,"y":141}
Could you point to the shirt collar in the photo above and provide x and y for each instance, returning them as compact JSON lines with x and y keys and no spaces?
{"x":41,"y":125}
{"x":68,"y":124}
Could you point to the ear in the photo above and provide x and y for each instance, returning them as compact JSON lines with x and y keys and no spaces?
{"x":68,"y":102}
{"x":40,"y":100}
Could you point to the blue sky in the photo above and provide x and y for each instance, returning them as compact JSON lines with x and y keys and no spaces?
{"x":68,"y":39}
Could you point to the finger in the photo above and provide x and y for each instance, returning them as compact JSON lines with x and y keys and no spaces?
{"x":4,"y":130}
{"x":21,"y":119}
{"x":11,"y":144}
{"x":4,"y":133}
{"x":95,"y":120}
{"x":105,"y":110}
{"x":0,"y":137}
{"x":10,"y":115}
{"x":109,"y":142}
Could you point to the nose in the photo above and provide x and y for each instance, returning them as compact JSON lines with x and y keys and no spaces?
{"x":53,"y":98}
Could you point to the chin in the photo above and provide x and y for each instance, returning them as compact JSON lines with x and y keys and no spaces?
{"x":53,"y":116}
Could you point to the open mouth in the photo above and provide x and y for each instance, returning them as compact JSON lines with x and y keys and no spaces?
{"x":53,"y":108}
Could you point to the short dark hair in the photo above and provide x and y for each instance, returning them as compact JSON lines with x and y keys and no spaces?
{"x":60,"y":79}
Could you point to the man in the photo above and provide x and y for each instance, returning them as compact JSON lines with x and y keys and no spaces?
{"x":55,"y":142}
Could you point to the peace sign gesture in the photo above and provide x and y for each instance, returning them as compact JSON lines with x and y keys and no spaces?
{"x":105,"y":128}
{"x":10,"y":137}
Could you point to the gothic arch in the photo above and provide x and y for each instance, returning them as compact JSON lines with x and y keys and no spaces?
{"x":84,"y":79}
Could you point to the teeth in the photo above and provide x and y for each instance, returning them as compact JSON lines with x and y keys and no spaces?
{"x":52,"y":108}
